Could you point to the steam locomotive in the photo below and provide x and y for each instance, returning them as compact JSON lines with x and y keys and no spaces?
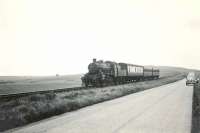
{"x":102,"y":73}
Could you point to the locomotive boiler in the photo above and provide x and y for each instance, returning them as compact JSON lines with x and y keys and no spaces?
{"x":102,"y":73}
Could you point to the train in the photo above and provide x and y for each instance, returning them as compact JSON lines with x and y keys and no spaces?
{"x":103,"y":73}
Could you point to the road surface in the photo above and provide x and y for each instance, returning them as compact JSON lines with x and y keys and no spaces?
{"x":165,"y":109}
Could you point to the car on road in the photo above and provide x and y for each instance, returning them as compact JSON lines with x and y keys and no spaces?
{"x":191,"y":79}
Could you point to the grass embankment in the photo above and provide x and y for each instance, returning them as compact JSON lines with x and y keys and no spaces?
{"x":196,"y":108}
{"x":24,"y":110}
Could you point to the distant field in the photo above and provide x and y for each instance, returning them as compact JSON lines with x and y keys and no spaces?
{"x":13,"y":84}
{"x":172,"y":71}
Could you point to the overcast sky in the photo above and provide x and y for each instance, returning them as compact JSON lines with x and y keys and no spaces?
{"x":45,"y":37}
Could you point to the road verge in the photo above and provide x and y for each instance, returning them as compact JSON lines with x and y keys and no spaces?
{"x":196,"y":109}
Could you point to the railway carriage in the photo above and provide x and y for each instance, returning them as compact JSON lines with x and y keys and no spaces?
{"x":148,"y":72}
{"x":105,"y":73}
{"x":151,"y":73}
{"x":131,"y":72}
{"x":156,"y":73}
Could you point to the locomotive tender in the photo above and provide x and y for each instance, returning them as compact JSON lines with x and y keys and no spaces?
{"x":108,"y":72}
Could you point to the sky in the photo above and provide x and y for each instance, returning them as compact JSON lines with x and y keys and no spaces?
{"x":46,"y":37}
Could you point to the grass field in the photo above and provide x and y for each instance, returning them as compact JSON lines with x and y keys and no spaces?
{"x":13,"y":84}
{"x":27,"y":109}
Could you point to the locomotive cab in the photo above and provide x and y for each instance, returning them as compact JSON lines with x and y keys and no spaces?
{"x":98,"y":73}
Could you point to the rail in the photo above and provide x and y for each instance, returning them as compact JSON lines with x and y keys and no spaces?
{"x":22,"y":94}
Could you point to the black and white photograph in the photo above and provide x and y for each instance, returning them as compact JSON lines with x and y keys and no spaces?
{"x":100,"y":66}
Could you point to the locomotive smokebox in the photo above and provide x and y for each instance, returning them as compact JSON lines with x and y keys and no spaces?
{"x":94,"y":60}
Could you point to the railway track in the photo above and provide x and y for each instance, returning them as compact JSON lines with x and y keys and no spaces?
{"x":22,"y":94}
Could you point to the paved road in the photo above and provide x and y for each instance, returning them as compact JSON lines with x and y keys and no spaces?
{"x":165,"y":109}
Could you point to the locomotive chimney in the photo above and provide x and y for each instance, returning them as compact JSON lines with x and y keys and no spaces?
{"x":94,"y":60}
